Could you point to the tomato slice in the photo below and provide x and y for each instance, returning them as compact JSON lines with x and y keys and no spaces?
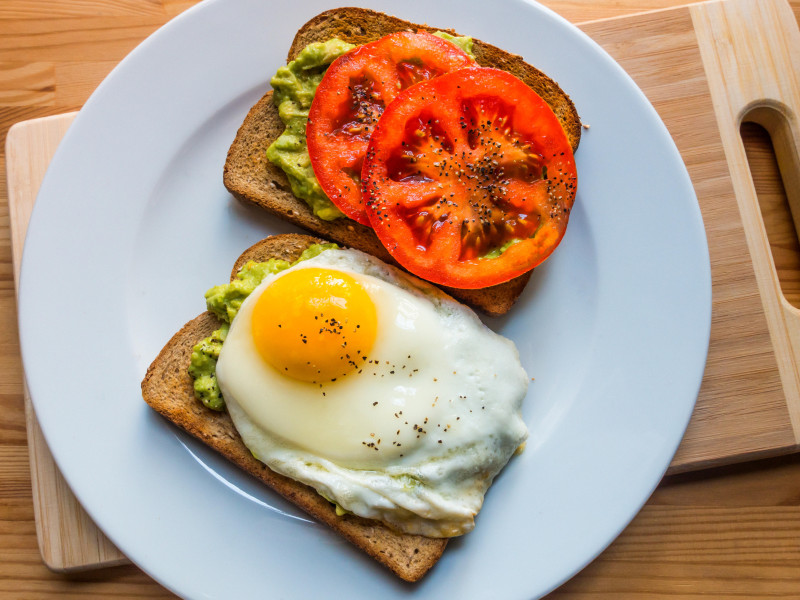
{"x":352,"y":96}
{"x":469,"y":179}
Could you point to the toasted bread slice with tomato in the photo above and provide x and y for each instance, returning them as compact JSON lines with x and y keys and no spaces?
{"x":250,"y":177}
{"x":168,"y":388}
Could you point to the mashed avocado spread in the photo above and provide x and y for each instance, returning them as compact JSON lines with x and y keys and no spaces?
{"x":294,"y":86}
{"x":225,"y":301}
{"x":463,"y":42}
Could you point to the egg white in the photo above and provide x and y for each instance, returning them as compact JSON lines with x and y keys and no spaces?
{"x":413,"y":439}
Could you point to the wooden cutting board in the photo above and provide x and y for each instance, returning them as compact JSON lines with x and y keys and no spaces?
{"x":706,"y":68}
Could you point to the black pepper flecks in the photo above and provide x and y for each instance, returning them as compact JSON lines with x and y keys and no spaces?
{"x":437,"y":180}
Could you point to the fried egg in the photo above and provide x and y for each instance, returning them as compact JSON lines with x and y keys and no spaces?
{"x":385,"y":395}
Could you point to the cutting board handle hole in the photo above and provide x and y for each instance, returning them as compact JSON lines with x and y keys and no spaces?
{"x":769,"y":137}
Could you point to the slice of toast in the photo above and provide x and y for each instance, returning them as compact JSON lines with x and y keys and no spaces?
{"x":250,"y":177}
{"x":168,"y":388}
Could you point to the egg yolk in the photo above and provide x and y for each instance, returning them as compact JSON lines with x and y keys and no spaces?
{"x":314,"y":324}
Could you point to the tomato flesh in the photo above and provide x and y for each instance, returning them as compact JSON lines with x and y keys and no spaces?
{"x":352,"y":96}
{"x":469,"y":179}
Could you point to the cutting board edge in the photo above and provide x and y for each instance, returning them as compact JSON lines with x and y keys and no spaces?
{"x":701,"y":465}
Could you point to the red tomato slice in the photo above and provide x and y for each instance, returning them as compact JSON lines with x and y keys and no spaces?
{"x":351,"y":97}
{"x":469,"y":179}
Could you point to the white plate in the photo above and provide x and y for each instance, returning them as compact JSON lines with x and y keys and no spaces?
{"x":132,"y":225}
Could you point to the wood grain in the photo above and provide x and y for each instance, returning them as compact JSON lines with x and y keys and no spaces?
{"x":667,"y":552}
{"x":27,"y":84}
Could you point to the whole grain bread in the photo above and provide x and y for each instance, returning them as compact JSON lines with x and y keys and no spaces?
{"x":168,"y":388}
{"x":250,"y":177}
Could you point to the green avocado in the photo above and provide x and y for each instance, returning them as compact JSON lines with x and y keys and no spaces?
{"x":225,"y":301}
{"x":203,"y":366}
{"x":294,"y":86}
{"x":498,"y":252}
{"x":463,"y":42}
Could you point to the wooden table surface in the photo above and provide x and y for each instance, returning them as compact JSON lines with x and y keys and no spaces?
{"x":732,"y":532}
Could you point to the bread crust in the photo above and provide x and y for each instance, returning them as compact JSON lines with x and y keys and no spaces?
{"x":251,"y":178}
{"x":168,"y":388}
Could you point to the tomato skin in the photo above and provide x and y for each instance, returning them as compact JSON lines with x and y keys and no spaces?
{"x":352,"y":96}
{"x":469,"y":179}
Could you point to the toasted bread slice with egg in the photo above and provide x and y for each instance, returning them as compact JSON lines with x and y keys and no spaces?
{"x":168,"y":388}
{"x":250,"y":177}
